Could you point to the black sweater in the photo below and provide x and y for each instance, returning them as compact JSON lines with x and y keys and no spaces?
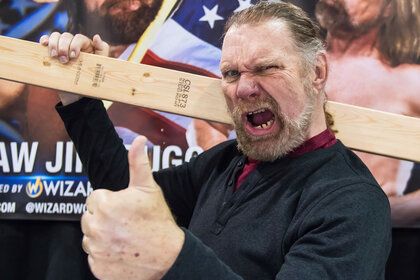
{"x":320,"y":215}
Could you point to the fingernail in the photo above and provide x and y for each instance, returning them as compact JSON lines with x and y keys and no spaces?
{"x":63,"y":59}
{"x":72,"y":54}
{"x":53,"y":53}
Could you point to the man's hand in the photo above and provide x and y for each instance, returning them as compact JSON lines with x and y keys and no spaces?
{"x":66,"y":46}
{"x":131,"y":234}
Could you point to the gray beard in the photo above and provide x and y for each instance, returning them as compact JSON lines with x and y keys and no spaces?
{"x":292,"y":133}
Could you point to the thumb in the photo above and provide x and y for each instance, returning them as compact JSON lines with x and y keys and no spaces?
{"x":101,"y":47}
{"x":140,"y":173}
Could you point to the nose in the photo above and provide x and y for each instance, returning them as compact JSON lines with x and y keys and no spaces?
{"x":247,"y":87}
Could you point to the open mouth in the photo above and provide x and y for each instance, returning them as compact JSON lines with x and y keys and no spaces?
{"x":260,"y":121}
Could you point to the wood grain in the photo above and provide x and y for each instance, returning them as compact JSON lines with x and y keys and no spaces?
{"x":377,"y":132}
{"x":190,"y":95}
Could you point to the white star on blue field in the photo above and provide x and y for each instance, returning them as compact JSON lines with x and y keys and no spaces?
{"x":211,"y":15}
{"x":243,"y":4}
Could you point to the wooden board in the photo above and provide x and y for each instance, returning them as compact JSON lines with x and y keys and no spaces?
{"x":377,"y":132}
{"x":189,"y":95}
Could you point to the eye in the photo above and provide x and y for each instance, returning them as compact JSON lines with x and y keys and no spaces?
{"x":268,"y":67}
{"x":230,"y":75}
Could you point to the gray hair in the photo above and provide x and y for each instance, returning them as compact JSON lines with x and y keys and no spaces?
{"x":305,"y":32}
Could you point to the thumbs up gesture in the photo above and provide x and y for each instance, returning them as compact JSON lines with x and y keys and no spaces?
{"x":131,"y":234}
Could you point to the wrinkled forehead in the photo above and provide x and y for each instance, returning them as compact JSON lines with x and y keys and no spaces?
{"x":257,"y":39}
{"x":269,"y":24}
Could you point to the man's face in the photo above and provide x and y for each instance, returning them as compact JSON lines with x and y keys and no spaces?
{"x":120,"y":21}
{"x":266,"y":93}
{"x":356,"y":17}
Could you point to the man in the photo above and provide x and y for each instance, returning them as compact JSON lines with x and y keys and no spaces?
{"x":375,"y":57}
{"x":286,"y":200}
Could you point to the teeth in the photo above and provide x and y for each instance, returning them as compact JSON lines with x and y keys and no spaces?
{"x":256,"y":112}
{"x":264,"y":125}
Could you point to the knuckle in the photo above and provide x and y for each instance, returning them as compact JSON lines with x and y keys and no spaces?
{"x":67,"y":34}
{"x":79,"y":36}
{"x":55,"y":34}
{"x":100,"y":194}
{"x":85,"y":245}
{"x":97,"y":197}
{"x":43,"y":38}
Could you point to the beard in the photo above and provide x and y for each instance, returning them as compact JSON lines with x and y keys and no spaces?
{"x":336,"y":20}
{"x":289,"y":135}
{"x":124,"y":28}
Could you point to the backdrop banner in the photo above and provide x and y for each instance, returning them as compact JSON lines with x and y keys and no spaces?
{"x":373,"y":65}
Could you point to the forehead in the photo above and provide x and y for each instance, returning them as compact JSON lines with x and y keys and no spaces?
{"x":246,"y":42}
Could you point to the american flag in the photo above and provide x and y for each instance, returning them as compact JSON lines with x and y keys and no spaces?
{"x":193,"y":36}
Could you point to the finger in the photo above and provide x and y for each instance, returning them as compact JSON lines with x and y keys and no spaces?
{"x":85,"y":223}
{"x":96,"y":268}
{"x":95,"y":199}
{"x":64,"y":46}
{"x":140,"y":173}
{"x":101,"y":47}
{"x":53,"y":44}
{"x":44,"y":40}
{"x":91,"y":261}
{"x":85,"y":244}
{"x":80,"y":43}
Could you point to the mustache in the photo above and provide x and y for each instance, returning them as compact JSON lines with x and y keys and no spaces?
{"x":268,"y":102}
{"x":243,"y":107}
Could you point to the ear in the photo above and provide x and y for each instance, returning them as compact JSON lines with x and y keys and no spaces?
{"x":321,"y":71}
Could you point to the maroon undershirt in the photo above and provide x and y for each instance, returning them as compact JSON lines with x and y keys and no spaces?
{"x":323,"y":140}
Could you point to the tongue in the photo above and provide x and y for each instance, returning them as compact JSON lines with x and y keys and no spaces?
{"x":261,"y":118}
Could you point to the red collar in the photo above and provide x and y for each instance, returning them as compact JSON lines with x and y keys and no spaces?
{"x":323,"y":140}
